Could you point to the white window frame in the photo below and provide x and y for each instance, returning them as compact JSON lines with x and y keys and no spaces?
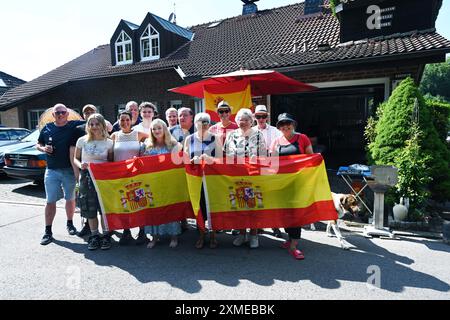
{"x":122,"y":43}
{"x":39,"y":113}
{"x":199,"y":105}
{"x":177,"y":104}
{"x":150,"y":37}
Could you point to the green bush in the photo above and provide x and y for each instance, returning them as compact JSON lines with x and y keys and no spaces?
{"x":405,"y":131}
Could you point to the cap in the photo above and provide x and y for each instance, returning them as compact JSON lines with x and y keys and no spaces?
{"x":89,"y":107}
{"x":223,"y":104}
{"x":285,"y":117}
{"x":261,"y":109}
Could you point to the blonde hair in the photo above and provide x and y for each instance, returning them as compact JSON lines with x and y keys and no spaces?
{"x":102,"y":123}
{"x":169,"y":141}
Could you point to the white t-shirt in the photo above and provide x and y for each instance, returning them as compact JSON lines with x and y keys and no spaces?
{"x":95,"y":151}
{"x":270,"y":134}
{"x":140,"y":128}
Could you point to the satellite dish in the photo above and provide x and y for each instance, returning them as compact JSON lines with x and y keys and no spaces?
{"x":172,"y":17}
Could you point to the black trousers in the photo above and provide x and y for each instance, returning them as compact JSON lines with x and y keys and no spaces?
{"x":294,"y":233}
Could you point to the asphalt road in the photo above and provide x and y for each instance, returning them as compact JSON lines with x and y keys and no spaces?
{"x":410,"y":268}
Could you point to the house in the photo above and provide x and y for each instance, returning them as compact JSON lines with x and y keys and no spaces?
{"x":355,"y":57}
{"x":7,"y":82}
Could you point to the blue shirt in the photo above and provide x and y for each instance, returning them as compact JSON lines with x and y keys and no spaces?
{"x":178,"y":133}
{"x":62,"y":138}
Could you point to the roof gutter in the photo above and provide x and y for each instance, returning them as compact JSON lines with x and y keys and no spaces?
{"x":359,"y":61}
{"x":11,"y":105}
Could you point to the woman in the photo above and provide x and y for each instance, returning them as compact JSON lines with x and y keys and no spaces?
{"x":147,"y":111}
{"x":127,"y":144}
{"x":202,"y":145}
{"x":161,"y":142}
{"x":291,"y":143}
{"x":94,"y":147}
{"x":245,"y":142}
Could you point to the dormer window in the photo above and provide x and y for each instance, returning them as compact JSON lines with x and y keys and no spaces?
{"x":150,"y":44}
{"x":124,"y":49}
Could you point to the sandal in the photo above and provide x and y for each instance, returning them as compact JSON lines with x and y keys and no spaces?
{"x":286,"y":244}
{"x":297,"y":254}
{"x":213,"y":244}
{"x":200,"y":243}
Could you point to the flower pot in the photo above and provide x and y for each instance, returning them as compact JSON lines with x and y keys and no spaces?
{"x":400,"y":212}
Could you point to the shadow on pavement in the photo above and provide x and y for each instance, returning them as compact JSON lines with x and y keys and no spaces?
{"x":31,"y":189}
{"x":325,"y":265}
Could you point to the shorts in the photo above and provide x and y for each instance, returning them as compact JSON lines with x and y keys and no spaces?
{"x":58,"y":180}
{"x":87,"y":196}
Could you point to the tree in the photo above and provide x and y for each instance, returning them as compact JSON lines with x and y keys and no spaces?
{"x":436,"y":80}
{"x":402,"y":120}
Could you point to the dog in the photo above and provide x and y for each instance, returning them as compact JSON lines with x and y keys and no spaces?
{"x":346,"y":206}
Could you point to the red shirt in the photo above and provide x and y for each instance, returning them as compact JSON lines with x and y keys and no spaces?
{"x":300,"y":140}
{"x":220,"y":131}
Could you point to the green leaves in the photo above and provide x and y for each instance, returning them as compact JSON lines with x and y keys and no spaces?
{"x":403,"y":134}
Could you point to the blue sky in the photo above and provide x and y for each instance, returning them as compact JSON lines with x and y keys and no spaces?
{"x":38,"y":36}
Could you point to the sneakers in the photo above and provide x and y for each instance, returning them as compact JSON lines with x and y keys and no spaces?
{"x":239,"y":241}
{"x":141,"y":239}
{"x":86,"y":231}
{"x":173,"y":243}
{"x":94,"y":242}
{"x":126,"y":238}
{"x":105,"y":242}
{"x":71,"y":230}
{"x":46,"y":239}
{"x":254,"y":242}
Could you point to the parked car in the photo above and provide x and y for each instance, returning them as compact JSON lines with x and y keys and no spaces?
{"x":28,"y":141}
{"x":12,"y":135}
{"x":26,"y":163}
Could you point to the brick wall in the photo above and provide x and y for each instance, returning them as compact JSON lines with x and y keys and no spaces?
{"x":10,"y":118}
{"x":110,"y":92}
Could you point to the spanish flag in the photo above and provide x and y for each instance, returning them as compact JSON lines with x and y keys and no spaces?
{"x":143,"y":191}
{"x":237,"y":94}
{"x":248,"y":195}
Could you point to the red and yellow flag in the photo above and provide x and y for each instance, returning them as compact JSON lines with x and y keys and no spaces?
{"x":143,"y":191}
{"x":237,"y":94}
{"x":245,"y":196}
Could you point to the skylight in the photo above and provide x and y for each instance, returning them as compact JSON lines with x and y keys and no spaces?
{"x":215,"y":24}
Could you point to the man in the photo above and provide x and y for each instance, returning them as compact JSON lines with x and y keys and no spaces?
{"x":180,"y":133}
{"x":225,"y":125}
{"x":269,"y":132}
{"x":55,"y":140}
{"x":171,"y":117}
{"x":132,"y":107}
{"x":186,"y":126}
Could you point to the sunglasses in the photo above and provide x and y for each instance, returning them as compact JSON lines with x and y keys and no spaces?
{"x":224,"y":111}
{"x":264,"y":116}
{"x":205,"y":123}
{"x":60,"y":113}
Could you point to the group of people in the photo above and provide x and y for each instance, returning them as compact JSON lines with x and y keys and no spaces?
{"x":72,"y":145}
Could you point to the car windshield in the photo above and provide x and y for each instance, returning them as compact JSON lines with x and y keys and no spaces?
{"x":32,"y":137}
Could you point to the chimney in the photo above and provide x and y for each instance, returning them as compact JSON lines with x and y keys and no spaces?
{"x":249,"y":7}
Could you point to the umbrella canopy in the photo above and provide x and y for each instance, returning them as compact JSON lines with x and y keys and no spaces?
{"x":47,"y":117}
{"x":262,"y":82}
